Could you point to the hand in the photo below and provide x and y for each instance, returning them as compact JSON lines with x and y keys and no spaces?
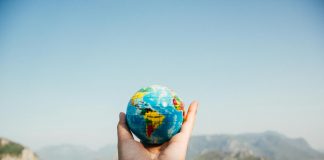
{"x":174,"y":149}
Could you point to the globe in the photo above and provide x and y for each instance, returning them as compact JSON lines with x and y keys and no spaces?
{"x":155,"y":114}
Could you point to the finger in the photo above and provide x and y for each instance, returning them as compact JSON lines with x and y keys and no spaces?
{"x":188,"y":124}
{"x":122,"y":128}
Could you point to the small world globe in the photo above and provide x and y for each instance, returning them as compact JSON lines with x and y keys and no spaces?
{"x":155,"y":114}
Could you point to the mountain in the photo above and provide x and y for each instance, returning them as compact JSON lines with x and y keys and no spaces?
{"x":252,"y":146}
{"x":10,"y":150}
{"x":74,"y":152}
{"x":267,"y":145}
{"x":217,"y":155}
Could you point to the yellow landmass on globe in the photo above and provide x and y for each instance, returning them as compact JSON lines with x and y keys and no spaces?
{"x":138,"y":96}
{"x":153,"y":121}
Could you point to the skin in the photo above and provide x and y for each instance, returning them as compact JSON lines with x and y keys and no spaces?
{"x":175,"y":149}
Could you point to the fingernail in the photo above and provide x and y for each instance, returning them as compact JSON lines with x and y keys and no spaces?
{"x":120,"y":115}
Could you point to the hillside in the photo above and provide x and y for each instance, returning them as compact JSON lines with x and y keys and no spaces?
{"x":13,"y":151}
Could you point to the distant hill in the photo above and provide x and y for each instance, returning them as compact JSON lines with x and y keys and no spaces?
{"x":74,"y":152}
{"x":13,"y":151}
{"x":267,"y":145}
{"x":218,"y":155}
{"x":253,"y":146}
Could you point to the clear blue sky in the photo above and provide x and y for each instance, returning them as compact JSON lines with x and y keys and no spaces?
{"x":67,"y":68}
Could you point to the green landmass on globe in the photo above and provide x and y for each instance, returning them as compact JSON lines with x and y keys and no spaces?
{"x":155,"y":114}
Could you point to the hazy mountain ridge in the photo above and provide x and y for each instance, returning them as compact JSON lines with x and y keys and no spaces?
{"x":217,"y":155}
{"x":75,"y":152}
{"x":251,"y":146}
{"x":268,"y":145}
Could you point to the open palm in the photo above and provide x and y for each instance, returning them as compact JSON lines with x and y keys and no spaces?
{"x":174,"y":149}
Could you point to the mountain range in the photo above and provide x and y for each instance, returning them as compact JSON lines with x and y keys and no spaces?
{"x":267,"y":145}
{"x":75,"y":152}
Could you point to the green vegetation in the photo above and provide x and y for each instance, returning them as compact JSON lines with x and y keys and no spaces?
{"x":13,"y":149}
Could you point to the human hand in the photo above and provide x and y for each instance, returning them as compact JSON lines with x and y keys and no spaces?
{"x":174,"y":149}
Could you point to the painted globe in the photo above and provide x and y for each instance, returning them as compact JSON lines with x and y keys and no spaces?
{"x":155,"y":114}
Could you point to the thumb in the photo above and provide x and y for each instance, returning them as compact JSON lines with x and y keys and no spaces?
{"x":188,"y":124}
{"x":123,"y":131}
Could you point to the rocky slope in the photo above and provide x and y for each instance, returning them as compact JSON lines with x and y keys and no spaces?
{"x":13,"y":151}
